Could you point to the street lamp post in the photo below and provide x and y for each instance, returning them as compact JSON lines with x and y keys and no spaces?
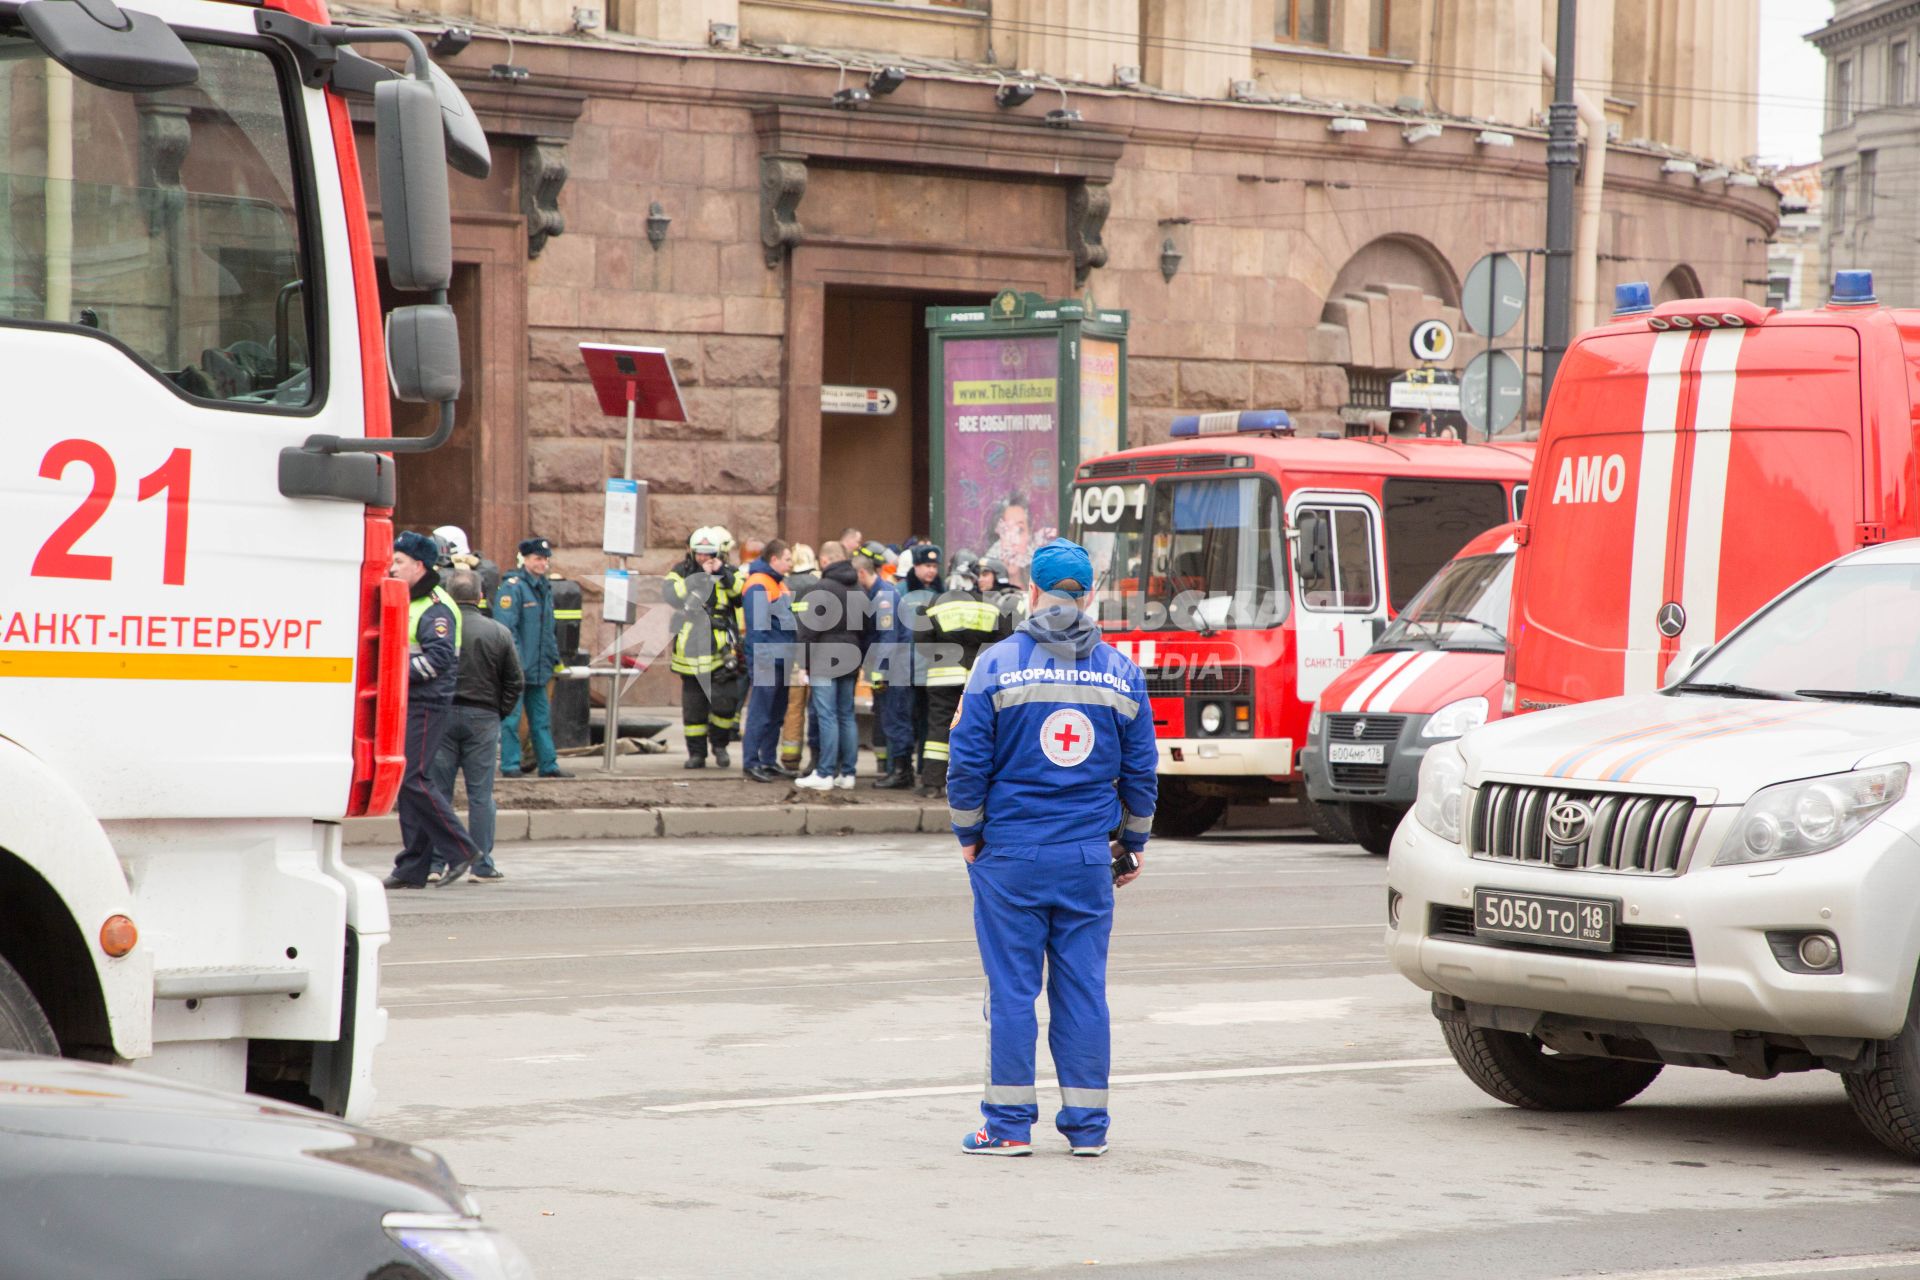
{"x":1563,"y":162}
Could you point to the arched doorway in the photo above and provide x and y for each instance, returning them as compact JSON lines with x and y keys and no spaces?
{"x":1681,"y":282}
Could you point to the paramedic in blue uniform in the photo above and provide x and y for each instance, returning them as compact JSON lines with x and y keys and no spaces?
{"x":1051,"y":721}
{"x":431,"y":831}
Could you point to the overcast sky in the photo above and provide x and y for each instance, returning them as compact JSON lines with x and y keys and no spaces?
{"x":1792,"y":80}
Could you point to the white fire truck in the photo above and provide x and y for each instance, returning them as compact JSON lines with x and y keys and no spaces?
{"x":202,"y":666}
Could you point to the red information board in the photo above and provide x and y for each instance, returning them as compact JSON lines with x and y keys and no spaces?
{"x":640,"y":375}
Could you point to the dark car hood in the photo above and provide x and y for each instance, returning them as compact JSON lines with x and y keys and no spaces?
{"x":60,"y":1099}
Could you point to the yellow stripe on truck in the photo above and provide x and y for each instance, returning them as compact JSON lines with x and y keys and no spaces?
{"x":255,"y":668}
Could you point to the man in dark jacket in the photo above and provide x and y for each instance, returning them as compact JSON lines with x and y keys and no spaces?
{"x":770,"y":638}
{"x":917,"y":594}
{"x":428,"y":826}
{"x":488,"y":689}
{"x":832,"y":622}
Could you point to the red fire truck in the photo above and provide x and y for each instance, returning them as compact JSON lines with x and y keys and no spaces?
{"x":202,"y":663}
{"x":1245,"y":569}
{"x":1718,"y":451}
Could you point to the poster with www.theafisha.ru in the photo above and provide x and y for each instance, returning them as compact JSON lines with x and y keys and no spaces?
{"x":1001,"y":446}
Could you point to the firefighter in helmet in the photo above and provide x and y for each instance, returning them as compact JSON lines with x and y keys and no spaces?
{"x":706,"y":646}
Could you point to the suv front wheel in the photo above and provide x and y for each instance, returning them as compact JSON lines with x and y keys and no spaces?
{"x":1886,"y":1096}
{"x":1522,"y":1072}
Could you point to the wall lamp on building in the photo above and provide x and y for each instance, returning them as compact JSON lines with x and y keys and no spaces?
{"x":509,"y":71}
{"x":1012,"y":93}
{"x":723,"y":35}
{"x":1062,"y":116}
{"x":1680,"y":166}
{"x":1414,"y":135}
{"x":849,"y":99}
{"x":452,"y":42}
{"x":1346,"y":124}
{"x":1715,"y":175}
{"x":657,"y":224}
{"x":1493,"y":138}
{"x":885,"y":80}
{"x":1170,"y":255}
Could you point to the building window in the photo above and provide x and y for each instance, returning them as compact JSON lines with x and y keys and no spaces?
{"x":1303,"y":21}
{"x":1843,"y":91}
{"x":1837,"y":201}
{"x":1780,"y":288}
{"x":1380,"y":30}
{"x":1897,"y":75}
{"x":1864,"y":187}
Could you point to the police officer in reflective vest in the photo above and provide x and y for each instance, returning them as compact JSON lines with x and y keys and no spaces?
{"x":961,"y":624}
{"x":1052,"y":719}
{"x":430,"y":830}
{"x":706,"y":647}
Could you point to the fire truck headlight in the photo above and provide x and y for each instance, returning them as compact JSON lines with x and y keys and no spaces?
{"x":1811,"y":816}
{"x":1210,"y":718}
{"x":1443,"y":792}
{"x":1313,"y":721}
{"x":1456,"y":719}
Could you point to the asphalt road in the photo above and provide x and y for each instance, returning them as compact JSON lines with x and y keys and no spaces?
{"x":702,"y":1058}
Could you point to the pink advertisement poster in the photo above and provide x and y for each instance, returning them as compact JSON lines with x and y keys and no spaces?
{"x":1001,"y":451}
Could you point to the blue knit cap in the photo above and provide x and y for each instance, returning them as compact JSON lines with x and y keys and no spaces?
{"x":417,"y":546}
{"x":1063,"y":566}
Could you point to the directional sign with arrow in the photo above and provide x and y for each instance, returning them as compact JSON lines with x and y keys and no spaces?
{"x":874,"y":400}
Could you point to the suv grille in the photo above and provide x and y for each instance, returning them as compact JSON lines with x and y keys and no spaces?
{"x":1363,"y":778}
{"x":1644,"y":835}
{"x":1652,"y":944}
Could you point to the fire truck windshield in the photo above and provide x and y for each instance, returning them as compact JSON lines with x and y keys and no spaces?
{"x":1464,"y":606}
{"x":165,"y":221}
{"x":1190,"y":554}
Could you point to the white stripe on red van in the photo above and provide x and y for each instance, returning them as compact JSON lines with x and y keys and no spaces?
{"x":1357,"y":700}
{"x":1647,"y":580}
{"x":1707,"y":489}
{"x":1403,"y":680}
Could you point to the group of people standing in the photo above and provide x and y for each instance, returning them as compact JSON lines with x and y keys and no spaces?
{"x":480,"y":653}
{"x":750,"y":635}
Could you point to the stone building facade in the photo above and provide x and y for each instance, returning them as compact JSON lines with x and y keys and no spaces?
{"x":1870,"y":150}
{"x":1275,"y":190}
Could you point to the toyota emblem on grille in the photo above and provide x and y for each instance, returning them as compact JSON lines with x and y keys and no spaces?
{"x":1568,"y":822}
{"x":1672,"y":619}
{"x":1359,"y":728}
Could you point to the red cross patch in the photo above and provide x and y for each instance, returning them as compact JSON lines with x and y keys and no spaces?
{"x":1066,"y":737}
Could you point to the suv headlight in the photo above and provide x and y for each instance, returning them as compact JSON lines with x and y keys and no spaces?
{"x":1810,"y":816}
{"x":1456,"y":719}
{"x":458,"y":1248}
{"x":1443,"y":792}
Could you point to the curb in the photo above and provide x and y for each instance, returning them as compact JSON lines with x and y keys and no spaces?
{"x":635,"y":824}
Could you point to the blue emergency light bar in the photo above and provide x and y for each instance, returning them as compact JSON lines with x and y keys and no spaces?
{"x":1852,"y":289}
{"x":1634,"y":299}
{"x":1230,"y":423}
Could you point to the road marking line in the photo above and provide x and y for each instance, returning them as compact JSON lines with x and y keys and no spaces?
{"x":962,"y":1090}
{"x":1761,"y":1270}
{"x":1380,"y":961}
{"x":837,"y":946}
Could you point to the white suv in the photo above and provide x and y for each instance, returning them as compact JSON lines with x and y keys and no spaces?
{"x":1722,"y":874}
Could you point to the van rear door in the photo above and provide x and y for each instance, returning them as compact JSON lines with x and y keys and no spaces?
{"x":1774,"y":477}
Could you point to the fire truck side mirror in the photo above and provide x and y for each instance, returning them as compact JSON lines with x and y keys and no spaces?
{"x":410,"y":142}
{"x":108,"y":46}
{"x":423,"y":353}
